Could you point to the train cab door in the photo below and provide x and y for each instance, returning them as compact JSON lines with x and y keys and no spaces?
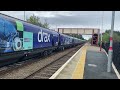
{"x":2,"y":28}
{"x":2,"y":41}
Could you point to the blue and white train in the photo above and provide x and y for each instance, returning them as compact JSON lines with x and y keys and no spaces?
{"x":20,"y":39}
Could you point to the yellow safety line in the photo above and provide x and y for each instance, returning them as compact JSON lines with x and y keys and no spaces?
{"x":79,"y":71}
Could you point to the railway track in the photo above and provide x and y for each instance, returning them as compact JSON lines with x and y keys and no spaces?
{"x":47,"y":71}
{"x":40,"y":68}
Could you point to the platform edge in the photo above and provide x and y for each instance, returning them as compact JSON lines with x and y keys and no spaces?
{"x":60,"y":69}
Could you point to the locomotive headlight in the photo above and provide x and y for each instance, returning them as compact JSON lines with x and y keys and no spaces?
{"x":17,"y":44}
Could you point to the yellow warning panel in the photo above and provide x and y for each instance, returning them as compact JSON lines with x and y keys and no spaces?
{"x":79,"y":70}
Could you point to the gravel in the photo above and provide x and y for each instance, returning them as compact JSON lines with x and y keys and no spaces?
{"x":28,"y":69}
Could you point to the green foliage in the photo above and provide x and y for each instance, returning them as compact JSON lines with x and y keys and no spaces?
{"x":105,"y":37}
{"x":46,"y":25}
{"x":89,"y":39}
{"x":36,"y":21}
{"x":116,"y":36}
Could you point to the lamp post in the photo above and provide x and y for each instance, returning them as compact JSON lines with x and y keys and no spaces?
{"x":110,"y":52}
{"x":101,"y":31}
{"x":24,"y":15}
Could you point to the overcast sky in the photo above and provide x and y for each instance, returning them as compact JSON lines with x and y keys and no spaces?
{"x":91,"y":19}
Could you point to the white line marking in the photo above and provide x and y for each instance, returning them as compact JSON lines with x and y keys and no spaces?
{"x":117,"y":73}
{"x":93,"y":65}
{"x":60,"y":69}
{"x":114,"y":68}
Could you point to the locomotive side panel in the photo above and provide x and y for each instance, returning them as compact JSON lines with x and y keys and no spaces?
{"x":18,"y":36}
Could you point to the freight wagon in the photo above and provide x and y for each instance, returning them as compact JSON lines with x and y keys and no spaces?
{"x":19,"y":39}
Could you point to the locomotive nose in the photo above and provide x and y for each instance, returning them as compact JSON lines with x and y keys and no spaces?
{"x":17,"y":44}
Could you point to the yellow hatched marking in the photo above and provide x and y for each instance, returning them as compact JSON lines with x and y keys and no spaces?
{"x":79,"y":71}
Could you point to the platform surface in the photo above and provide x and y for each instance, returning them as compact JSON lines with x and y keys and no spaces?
{"x":96,"y":65}
{"x":88,"y":63}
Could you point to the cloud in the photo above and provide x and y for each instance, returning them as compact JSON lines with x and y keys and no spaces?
{"x":72,"y":18}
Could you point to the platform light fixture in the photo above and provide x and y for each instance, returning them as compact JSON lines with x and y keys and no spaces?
{"x":24,"y":15}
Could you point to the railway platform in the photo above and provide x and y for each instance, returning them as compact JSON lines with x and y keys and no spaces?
{"x":87,"y":63}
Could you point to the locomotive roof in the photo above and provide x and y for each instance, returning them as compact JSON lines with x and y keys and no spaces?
{"x":10,"y":17}
{"x":25,"y":22}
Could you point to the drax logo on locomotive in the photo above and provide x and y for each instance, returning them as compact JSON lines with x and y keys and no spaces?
{"x":43,"y":36}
